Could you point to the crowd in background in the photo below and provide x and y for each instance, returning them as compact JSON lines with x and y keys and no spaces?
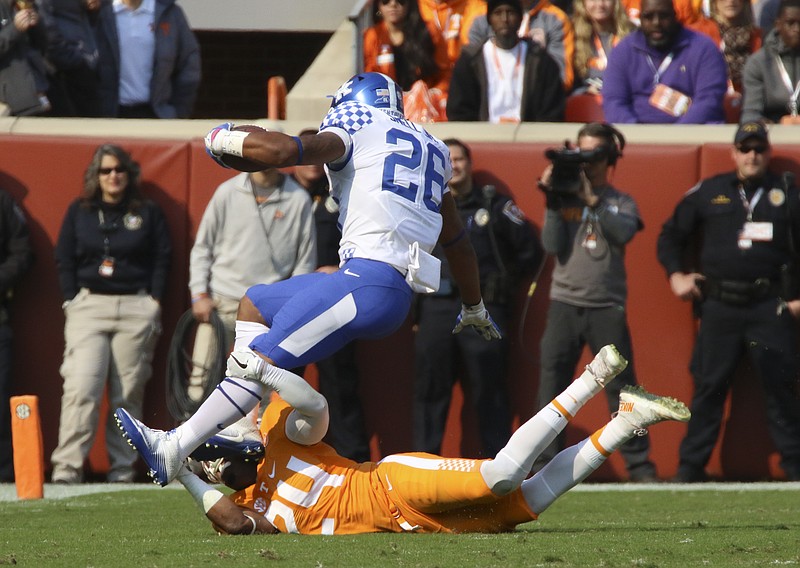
{"x":648,"y":61}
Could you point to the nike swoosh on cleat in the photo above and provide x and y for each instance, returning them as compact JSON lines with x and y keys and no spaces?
{"x":349,"y":273}
{"x":238,"y":362}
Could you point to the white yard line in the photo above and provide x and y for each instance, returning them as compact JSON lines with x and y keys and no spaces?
{"x":8,"y":491}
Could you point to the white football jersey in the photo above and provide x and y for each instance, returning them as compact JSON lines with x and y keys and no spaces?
{"x":388,"y":185}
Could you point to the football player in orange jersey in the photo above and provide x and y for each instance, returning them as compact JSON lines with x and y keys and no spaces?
{"x":302,"y":486}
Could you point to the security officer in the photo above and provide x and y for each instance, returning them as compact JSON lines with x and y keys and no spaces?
{"x":587,"y":226}
{"x":746,"y":293}
{"x":507,"y":249}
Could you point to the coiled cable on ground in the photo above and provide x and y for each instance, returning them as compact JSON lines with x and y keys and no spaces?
{"x":180,"y":364}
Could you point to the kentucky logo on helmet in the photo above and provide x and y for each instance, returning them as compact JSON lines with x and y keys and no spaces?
{"x":372,"y":89}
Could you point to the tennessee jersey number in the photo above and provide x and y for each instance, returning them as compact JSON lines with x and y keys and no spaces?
{"x":405,"y":165}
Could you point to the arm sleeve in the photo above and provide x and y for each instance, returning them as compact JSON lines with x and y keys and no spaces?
{"x":675,"y":234}
{"x":622,"y":223}
{"x":66,"y":254}
{"x":754,"y":89}
{"x":202,"y":254}
{"x":710,"y":86}
{"x":17,"y":254}
{"x":162,"y":253}
{"x":464,"y":99}
{"x":186,"y":75}
{"x":553,"y":100}
{"x":554,"y":232}
{"x":617,"y":93}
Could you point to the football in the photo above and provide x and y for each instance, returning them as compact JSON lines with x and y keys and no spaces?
{"x":243,"y":164}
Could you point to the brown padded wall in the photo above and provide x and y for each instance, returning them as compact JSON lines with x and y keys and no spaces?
{"x":44,"y":174}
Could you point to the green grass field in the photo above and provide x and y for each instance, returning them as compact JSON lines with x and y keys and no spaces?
{"x":600,"y":525}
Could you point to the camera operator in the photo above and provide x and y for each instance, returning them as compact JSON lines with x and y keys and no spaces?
{"x":587,"y":225}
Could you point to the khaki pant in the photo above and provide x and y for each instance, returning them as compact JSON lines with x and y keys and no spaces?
{"x":109,"y":339}
{"x":205,"y":347}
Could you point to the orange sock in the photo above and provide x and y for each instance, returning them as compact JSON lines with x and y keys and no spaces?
{"x":26,"y":437}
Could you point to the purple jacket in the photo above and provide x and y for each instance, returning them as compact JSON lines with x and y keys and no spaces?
{"x":698,"y":70}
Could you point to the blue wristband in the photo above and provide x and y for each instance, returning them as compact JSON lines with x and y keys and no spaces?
{"x":299,"y":149}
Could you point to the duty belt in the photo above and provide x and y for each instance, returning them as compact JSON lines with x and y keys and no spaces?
{"x":740,"y":292}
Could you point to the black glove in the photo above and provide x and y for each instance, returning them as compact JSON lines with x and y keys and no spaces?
{"x":552,"y":200}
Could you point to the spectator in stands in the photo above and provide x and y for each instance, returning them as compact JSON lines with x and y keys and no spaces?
{"x":736,"y":34}
{"x":149,"y":64}
{"x":772,"y":74}
{"x":401,"y":46}
{"x":263,"y":216}
{"x":73,"y":52}
{"x":338,"y":374}
{"x":599,"y":26}
{"x":23,"y":70}
{"x":588,"y":225}
{"x":546,"y":25}
{"x":450,"y":22}
{"x":664,"y":73}
{"x":687,"y":11}
{"x":506,"y":79}
{"x":508,"y":250}
{"x":15,"y":259}
{"x":113,"y":255}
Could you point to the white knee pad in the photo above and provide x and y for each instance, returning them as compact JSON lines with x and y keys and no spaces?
{"x":246,"y":332}
{"x":502,"y":474}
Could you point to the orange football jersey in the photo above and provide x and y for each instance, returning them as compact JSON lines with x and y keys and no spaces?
{"x":313,"y":490}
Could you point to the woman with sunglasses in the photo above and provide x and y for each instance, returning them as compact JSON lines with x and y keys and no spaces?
{"x":112,"y":255}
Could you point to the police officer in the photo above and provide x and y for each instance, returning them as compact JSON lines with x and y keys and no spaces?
{"x":587,"y":225}
{"x":746,"y":293}
{"x":507,"y":249}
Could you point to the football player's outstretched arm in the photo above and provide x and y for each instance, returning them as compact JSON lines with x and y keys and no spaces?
{"x":225,"y":515}
{"x":275,"y":149}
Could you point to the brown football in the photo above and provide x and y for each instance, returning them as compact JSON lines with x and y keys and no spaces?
{"x":243,"y":164}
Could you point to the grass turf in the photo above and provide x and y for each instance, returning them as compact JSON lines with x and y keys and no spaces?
{"x":638,"y":528}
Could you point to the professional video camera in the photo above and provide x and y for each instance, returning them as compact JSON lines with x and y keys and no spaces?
{"x":567,"y":162}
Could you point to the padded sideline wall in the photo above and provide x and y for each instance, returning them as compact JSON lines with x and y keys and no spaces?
{"x":44,"y":172}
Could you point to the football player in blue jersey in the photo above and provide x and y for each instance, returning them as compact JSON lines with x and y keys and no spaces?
{"x":389,"y":178}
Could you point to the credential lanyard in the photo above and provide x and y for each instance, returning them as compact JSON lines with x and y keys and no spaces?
{"x":750,"y":205}
{"x":661,"y":68}
{"x":794,"y":92}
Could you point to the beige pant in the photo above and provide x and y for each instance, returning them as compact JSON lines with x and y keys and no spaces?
{"x":109,"y":339}
{"x":205,"y":347}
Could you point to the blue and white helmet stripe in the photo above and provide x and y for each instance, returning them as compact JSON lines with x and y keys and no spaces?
{"x":372,"y":89}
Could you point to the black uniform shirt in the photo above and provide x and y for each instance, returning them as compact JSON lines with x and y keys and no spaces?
{"x":714,"y":209}
{"x":139,"y":244}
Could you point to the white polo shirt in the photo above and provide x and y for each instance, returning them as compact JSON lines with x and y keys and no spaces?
{"x":137,"y":45}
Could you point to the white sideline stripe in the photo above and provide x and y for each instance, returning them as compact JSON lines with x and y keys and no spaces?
{"x":8,"y":491}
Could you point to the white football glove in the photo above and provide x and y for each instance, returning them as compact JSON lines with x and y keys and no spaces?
{"x":477,"y":317}
{"x":214,"y":142}
{"x":245,"y":364}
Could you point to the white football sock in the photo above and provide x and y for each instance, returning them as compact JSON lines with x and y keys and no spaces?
{"x":513,"y":463}
{"x":230,"y":401}
{"x":574,"y":464}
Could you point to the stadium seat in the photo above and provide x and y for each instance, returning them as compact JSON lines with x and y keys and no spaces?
{"x":732,"y":106}
{"x":276,"y":98}
{"x":584,"y":108}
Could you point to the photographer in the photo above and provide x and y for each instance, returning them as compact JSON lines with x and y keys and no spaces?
{"x":586,"y":227}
